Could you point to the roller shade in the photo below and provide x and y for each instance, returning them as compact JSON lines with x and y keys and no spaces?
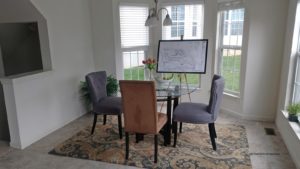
{"x":134,"y":33}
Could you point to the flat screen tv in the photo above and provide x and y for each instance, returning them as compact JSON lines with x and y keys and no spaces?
{"x":182,"y":56}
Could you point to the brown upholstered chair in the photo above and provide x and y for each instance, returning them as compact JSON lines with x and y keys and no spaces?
{"x":140,"y":111}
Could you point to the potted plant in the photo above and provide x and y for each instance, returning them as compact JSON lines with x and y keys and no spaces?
{"x":293,"y":110}
{"x":112,"y":86}
{"x":85,"y":95}
{"x":111,"y":89}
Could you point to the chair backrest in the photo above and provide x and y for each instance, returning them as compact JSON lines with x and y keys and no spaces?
{"x":216,"y":95}
{"x":139,"y":106}
{"x":96,"y":82}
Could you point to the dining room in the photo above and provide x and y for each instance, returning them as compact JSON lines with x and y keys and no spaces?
{"x":150,"y":84}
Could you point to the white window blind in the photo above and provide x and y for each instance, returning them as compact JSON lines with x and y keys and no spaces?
{"x":134,"y":33}
{"x":187,"y":21}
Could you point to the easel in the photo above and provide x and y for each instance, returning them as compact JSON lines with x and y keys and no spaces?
{"x":186,"y":83}
{"x":180,"y":86}
{"x":185,"y":77}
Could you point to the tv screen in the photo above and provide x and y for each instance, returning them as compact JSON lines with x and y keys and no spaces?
{"x":20,"y":48}
{"x":182,"y":56}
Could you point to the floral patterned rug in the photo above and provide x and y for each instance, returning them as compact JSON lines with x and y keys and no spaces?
{"x":194,"y":149}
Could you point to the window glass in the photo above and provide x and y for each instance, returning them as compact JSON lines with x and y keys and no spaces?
{"x":230,"y":48}
{"x":233,"y":24}
{"x":296,"y":94}
{"x":133,"y":66}
{"x":188,"y":21}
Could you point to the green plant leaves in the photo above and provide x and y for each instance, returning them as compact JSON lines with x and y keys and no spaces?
{"x":294,"y":109}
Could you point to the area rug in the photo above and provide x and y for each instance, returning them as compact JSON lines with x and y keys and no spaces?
{"x":193,"y":149}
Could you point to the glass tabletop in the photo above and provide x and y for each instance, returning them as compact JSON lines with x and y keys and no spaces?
{"x":174,"y":89}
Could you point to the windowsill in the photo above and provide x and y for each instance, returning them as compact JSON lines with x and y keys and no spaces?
{"x":295,"y":126}
{"x":231,"y":95}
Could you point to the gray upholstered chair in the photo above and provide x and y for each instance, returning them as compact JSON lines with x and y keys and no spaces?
{"x":102,"y":104}
{"x":199,"y":113}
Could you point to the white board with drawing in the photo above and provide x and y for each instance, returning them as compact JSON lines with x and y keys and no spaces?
{"x":182,"y":56}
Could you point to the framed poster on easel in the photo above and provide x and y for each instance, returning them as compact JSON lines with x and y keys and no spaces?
{"x":182,"y":56}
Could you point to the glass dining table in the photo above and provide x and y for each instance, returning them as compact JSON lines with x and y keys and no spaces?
{"x":169,"y":92}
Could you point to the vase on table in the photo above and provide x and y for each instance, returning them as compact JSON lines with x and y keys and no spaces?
{"x":149,"y":74}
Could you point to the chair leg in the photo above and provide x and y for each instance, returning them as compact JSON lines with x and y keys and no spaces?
{"x":212,"y":135}
{"x":139,"y":137}
{"x":175,"y":128}
{"x":214,"y":130}
{"x":180,"y":127}
{"x":155,"y":148}
{"x":94,"y":123}
{"x":120,"y":126}
{"x":104,"y":119}
{"x":127,"y":145}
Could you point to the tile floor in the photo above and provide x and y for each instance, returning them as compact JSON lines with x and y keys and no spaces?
{"x":266,"y":152}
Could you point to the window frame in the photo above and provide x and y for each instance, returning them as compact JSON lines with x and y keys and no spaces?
{"x":118,"y":48}
{"x":220,"y":47}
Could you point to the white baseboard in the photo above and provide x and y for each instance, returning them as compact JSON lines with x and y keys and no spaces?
{"x":248,"y":117}
{"x":15,"y":145}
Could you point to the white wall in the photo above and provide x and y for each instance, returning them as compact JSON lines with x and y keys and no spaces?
{"x":103,"y":35}
{"x":291,"y":38}
{"x":41,"y":103}
{"x":265,"y":49}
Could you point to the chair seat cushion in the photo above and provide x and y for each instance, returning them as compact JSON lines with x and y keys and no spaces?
{"x":109,"y":106}
{"x":192,"y":113}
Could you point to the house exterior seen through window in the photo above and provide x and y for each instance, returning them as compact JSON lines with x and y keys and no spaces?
{"x":187,"y":21}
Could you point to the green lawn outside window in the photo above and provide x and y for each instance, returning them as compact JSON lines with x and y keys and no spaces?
{"x":230,"y":71}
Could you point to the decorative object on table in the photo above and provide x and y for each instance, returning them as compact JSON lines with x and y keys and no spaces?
{"x":293,"y":110}
{"x":193,"y":150}
{"x":101,"y":103}
{"x":150,"y":64}
{"x":153,"y":17}
{"x":164,"y":79}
